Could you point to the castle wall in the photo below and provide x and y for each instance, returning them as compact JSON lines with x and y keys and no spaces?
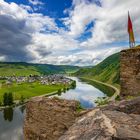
{"x":130,"y":72}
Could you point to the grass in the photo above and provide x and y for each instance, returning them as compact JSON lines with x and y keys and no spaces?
{"x":28,"y":90}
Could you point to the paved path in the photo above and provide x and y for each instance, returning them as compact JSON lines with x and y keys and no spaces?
{"x":116,"y":93}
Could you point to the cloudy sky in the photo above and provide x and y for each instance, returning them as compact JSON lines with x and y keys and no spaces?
{"x":74,"y":32}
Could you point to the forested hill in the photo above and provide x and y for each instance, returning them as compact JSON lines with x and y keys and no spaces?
{"x":22,"y":68}
{"x":106,"y":71}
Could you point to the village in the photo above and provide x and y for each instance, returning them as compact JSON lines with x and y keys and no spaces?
{"x":43,"y":79}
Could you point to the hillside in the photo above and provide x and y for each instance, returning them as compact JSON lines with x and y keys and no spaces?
{"x":22,"y":68}
{"x":106,"y":71}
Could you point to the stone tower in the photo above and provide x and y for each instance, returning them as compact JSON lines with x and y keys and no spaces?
{"x":130,"y":72}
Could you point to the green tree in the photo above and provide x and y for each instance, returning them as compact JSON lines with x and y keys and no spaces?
{"x":64,"y":89}
{"x":59,"y":92}
{"x":5,"y":99}
{"x":8,"y":114}
{"x":0,"y":103}
{"x":73,"y":85}
{"x":10,"y":98}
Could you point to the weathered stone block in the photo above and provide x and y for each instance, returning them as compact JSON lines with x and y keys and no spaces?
{"x":130,"y":72}
{"x":48,"y":119}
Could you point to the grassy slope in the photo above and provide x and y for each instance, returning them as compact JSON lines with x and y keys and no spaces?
{"x":106,"y":71}
{"x":20,"y":68}
{"x":17,"y":69}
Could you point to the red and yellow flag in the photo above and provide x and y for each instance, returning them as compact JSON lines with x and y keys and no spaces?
{"x":130,"y":30}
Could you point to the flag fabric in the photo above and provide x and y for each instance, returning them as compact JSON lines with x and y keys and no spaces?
{"x":130,"y":31}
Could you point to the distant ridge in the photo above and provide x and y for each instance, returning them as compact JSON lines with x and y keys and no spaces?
{"x":23,"y":68}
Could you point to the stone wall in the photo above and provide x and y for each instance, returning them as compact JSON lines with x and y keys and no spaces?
{"x":130,"y":72}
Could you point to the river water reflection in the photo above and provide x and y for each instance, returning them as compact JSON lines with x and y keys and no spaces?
{"x":11,"y":123}
{"x":11,"y":119}
{"x":85,"y":93}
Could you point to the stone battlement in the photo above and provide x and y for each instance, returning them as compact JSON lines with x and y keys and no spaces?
{"x":130,"y":72}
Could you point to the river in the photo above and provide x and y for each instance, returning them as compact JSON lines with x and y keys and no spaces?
{"x":11,"y":120}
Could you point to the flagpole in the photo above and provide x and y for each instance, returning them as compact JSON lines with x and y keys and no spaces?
{"x":129,"y":42}
{"x":129,"y":36}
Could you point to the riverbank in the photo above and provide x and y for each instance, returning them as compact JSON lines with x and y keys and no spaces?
{"x":17,"y":102}
{"x":56,"y":92}
{"x":116,"y":91}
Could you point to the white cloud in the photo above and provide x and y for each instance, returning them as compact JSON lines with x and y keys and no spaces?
{"x":33,"y":37}
{"x":36,"y":2}
{"x":26,"y":7}
{"x":83,"y":14}
{"x":18,"y":28}
{"x":84,"y":57}
{"x":110,"y":20}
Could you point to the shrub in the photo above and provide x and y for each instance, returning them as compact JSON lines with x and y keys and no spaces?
{"x":101,"y":101}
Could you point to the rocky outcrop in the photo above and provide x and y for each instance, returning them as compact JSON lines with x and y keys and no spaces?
{"x":55,"y":119}
{"x":104,"y":125}
{"x":130,"y":72}
{"x":112,"y":122}
{"x":128,"y":107}
{"x":48,"y":119}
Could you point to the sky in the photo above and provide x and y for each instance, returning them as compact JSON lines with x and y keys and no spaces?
{"x":66,"y":32}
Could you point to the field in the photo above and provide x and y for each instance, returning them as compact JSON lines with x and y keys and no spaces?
{"x":28,"y":90}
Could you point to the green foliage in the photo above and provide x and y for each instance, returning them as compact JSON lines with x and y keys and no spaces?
{"x":106,"y":71}
{"x":7,"y":99}
{"x":10,"y":98}
{"x":79,"y":108}
{"x":8,"y":114}
{"x":59,"y":92}
{"x":73,"y":85}
{"x":101,"y":101}
{"x":117,"y":98}
{"x":67,"y":88}
{"x":64,"y":89}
